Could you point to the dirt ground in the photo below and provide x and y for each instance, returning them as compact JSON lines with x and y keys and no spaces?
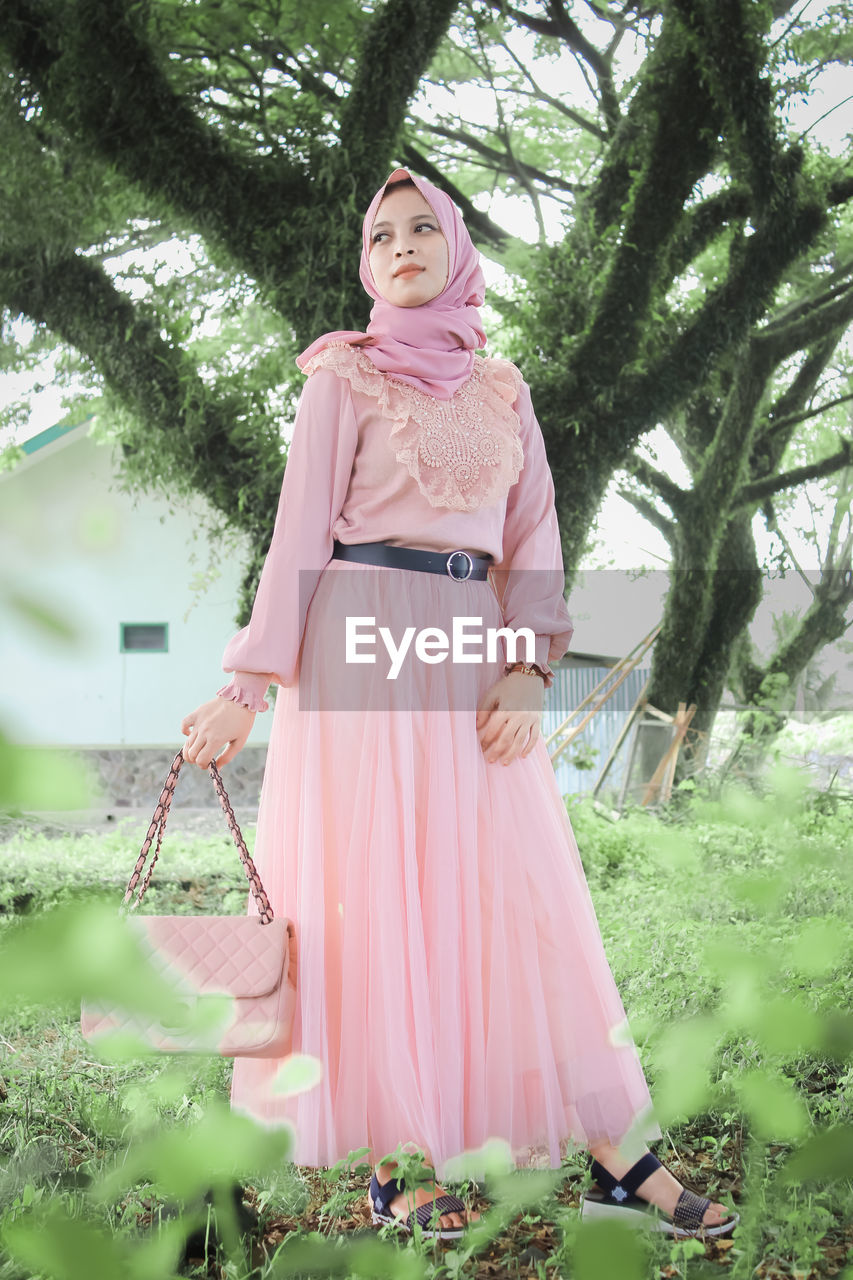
{"x":207,"y":821}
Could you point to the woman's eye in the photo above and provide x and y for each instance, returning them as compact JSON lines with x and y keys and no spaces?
{"x":419,"y":226}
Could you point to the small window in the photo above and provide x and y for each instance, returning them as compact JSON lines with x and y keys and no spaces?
{"x":144,"y":637}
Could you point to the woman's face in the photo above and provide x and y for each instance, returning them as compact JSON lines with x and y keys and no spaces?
{"x":408,"y":251}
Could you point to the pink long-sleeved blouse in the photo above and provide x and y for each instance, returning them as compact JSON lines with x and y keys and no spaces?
{"x":373,"y":459}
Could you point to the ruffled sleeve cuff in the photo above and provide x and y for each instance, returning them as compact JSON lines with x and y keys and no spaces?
{"x":543,"y":645}
{"x":247,"y":690}
{"x":553,"y":646}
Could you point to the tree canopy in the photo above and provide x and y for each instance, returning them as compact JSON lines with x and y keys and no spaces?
{"x":690,"y":265}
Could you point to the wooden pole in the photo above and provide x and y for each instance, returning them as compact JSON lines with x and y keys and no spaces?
{"x":573,"y":733}
{"x":664,"y":775}
{"x":623,"y":733}
{"x":622,"y":668}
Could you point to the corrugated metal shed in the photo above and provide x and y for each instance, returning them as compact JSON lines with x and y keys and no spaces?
{"x":572,"y":682}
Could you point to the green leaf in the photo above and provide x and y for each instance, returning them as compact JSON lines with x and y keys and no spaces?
{"x":299,"y":1073}
{"x":743,"y":974}
{"x":608,"y":1248}
{"x":492,"y":1160}
{"x":314,"y":1255}
{"x":775,"y":1110}
{"x":787,"y":1025}
{"x":761,"y":889}
{"x":223,"y":1146}
{"x":33,"y":778}
{"x":81,"y":951}
{"x":684,"y":1057}
{"x":42,"y":617}
{"x":820,"y":947}
{"x":65,"y":1248}
{"x":69,"y":1248}
{"x":523,"y":1191}
{"x":826,"y":1155}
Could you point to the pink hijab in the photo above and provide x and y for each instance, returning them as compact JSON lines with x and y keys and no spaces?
{"x":431,"y":346}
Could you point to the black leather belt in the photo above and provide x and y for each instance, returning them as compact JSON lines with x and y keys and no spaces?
{"x":459,"y":565}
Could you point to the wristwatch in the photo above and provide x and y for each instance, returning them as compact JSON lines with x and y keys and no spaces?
{"x":527,"y":668}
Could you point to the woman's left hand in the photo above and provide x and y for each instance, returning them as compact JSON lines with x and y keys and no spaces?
{"x":508,"y":717}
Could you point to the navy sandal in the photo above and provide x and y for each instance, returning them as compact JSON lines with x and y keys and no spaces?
{"x":380,"y":1201}
{"x":615,"y":1198}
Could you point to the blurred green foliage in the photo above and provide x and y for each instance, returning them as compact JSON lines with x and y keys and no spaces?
{"x":727,"y":922}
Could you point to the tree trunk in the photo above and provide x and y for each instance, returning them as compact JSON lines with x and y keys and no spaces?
{"x":771,"y":688}
{"x":706,"y":610}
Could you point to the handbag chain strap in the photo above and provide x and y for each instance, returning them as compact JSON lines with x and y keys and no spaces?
{"x":158,"y":827}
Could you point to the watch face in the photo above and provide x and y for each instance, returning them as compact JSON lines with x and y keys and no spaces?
{"x":527,"y":668}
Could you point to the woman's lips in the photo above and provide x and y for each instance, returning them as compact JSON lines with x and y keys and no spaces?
{"x":407,"y":271}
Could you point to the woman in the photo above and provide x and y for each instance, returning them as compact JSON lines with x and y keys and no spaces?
{"x":452,"y":978}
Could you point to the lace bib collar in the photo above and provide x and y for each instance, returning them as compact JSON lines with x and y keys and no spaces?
{"x":464,"y":452}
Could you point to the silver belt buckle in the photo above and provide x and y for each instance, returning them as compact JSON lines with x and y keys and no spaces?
{"x":455,"y":576}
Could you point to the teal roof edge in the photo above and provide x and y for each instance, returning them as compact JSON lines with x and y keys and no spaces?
{"x":51,"y":433}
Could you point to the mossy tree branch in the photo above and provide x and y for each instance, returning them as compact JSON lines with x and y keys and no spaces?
{"x":500,"y":161}
{"x":770,"y":442}
{"x":78,"y":59}
{"x":727,"y":37}
{"x":400,"y":41}
{"x":770,"y":686}
{"x":676,"y":154}
{"x":751,"y":494}
{"x":259,"y":209}
{"x":560,"y":26}
{"x":673,"y":495}
{"x":648,"y":511}
{"x":201,"y":431}
{"x":156,"y":381}
{"x":784,"y":424}
{"x":599,"y":63}
{"x":808,"y":324}
{"x":702,"y":224}
{"x":759,"y":265}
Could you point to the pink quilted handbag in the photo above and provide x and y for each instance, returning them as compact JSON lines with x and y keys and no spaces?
{"x":251,"y":959}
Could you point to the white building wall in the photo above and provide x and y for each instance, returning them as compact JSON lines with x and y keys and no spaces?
{"x":72,"y":542}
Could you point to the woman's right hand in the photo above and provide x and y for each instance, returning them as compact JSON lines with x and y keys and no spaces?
{"x":212,"y":726}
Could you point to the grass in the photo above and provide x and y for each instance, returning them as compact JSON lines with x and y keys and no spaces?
{"x":729,"y":928}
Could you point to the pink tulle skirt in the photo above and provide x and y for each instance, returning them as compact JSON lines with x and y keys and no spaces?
{"x":452,"y":978}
